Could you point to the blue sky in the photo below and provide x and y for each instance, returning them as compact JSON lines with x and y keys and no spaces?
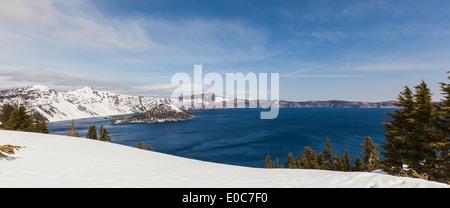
{"x":323,"y":50}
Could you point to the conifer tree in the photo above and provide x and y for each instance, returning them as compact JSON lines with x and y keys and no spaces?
{"x":269,"y":162}
{"x":346,"y":162}
{"x":92,"y":132}
{"x":370,"y":155}
{"x":337,"y":162}
{"x":397,"y":132}
{"x":309,"y":158}
{"x":441,"y":172}
{"x":19,"y":120}
{"x":328,"y":156}
{"x":104,"y":134}
{"x":6,"y":112}
{"x":149,"y":147}
{"x":40,"y":125}
{"x":320,"y":161}
{"x":43,"y":128}
{"x":359,"y":165}
{"x":420,"y":154}
{"x":290,"y":161}
{"x":298,"y":162}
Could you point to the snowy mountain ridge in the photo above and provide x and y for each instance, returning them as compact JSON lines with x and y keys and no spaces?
{"x":88,"y":102}
{"x":81,"y":103}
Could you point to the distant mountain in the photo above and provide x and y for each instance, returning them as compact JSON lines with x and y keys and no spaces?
{"x":211,"y":101}
{"x":88,"y":102}
{"x":81,"y":103}
{"x":159,"y":113}
{"x":337,"y":104}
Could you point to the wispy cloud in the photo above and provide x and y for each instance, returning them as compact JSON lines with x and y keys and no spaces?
{"x":73,"y":22}
{"x":78,"y":26}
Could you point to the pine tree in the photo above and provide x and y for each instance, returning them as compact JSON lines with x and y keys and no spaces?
{"x":397,"y":132}
{"x":309,"y":158}
{"x":43,"y":128}
{"x":346,"y":162}
{"x":328,"y":156}
{"x":104,"y":134}
{"x":6,"y":112}
{"x":370,"y":155}
{"x":36,"y":124}
{"x":19,"y":120}
{"x":337,"y":162}
{"x":72,"y":132}
{"x":149,"y":147}
{"x":359,"y":164}
{"x":320,"y":161}
{"x":441,"y":172}
{"x":92,"y":132}
{"x":418,"y":153}
{"x":290,"y":161}
{"x":40,"y":125}
{"x":269,"y":162}
{"x":298,"y":162}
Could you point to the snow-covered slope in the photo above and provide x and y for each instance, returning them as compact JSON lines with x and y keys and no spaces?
{"x":81,"y":103}
{"x":60,"y":161}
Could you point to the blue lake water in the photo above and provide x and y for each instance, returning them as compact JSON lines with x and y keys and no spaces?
{"x":239,"y":137}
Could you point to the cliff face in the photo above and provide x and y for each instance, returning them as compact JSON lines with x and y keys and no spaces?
{"x":337,"y":104}
{"x":211,"y":101}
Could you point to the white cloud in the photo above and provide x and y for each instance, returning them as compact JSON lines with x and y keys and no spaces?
{"x":73,"y":22}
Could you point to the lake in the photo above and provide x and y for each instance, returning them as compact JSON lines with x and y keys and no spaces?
{"x":239,"y":137}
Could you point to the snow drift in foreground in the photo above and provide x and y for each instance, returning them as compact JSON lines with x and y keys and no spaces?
{"x":60,"y":161}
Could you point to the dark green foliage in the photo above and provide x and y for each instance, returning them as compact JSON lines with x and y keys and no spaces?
{"x":346,"y":162}
{"x":40,"y":125}
{"x":418,"y":135}
{"x":320,"y":161}
{"x":6,"y":112}
{"x":370,"y":155}
{"x":396,"y":132}
{"x":328,"y":156}
{"x":419,"y":154}
{"x":441,"y":172}
{"x":104,"y":134}
{"x":92,"y":132}
{"x":19,"y":120}
{"x":359,"y":164}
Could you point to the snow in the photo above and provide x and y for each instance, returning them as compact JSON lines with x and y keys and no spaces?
{"x":61,"y":161}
